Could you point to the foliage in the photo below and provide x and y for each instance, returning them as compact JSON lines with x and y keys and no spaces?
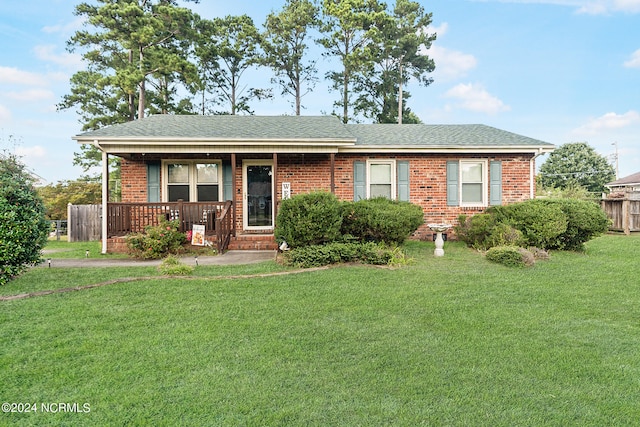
{"x":576,"y":164}
{"x":381,"y":220}
{"x":541,"y":223}
{"x":157,"y":241}
{"x":338,"y":252}
{"x":585,"y":220}
{"x":225,"y":49}
{"x":137,"y":56}
{"x":348,"y":29}
{"x":23,"y":227}
{"x":564,"y":224}
{"x":398,"y":55}
{"x":510,"y":256}
{"x":172,"y":266}
{"x":284,"y":44}
{"x":309,"y":219}
{"x":56,"y":197}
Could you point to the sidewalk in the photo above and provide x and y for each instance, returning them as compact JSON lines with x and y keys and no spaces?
{"x":228,"y":258}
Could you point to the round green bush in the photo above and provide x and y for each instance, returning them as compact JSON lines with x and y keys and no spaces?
{"x":309,"y":219}
{"x":381,"y":220}
{"x":541,"y":223}
{"x":585,"y":220}
{"x":23,"y":227}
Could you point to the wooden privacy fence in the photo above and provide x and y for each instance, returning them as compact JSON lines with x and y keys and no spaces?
{"x":623,"y":212}
{"x":83,"y":222}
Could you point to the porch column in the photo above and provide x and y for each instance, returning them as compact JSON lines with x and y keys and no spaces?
{"x":275,"y":186}
{"x":234,"y":190}
{"x":105,"y":199}
{"x":332,"y":157}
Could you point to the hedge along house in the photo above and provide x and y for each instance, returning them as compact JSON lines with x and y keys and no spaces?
{"x":230,"y":172}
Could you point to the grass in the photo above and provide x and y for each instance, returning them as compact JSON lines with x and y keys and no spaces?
{"x":445,"y":341}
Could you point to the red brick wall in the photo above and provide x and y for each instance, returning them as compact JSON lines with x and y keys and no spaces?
{"x":310,"y":172}
{"x":134,"y":181}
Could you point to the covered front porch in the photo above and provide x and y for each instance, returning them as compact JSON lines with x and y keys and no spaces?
{"x":217,"y":218}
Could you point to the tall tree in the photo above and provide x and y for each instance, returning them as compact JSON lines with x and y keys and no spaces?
{"x":576,"y":164}
{"x":226,"y":49}
{"x":349,"y":28}
{"x":398,"y":56}
{"x":127,"y":44}
{"x":284,"y":44}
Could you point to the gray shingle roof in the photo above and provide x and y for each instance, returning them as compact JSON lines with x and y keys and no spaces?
{"x":627,"y":180}
{"x":303,"y":128}
{"x":440,"y":136}
{"x":227,"y":127}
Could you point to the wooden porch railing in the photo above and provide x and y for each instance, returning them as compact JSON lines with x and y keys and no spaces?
{"x":126,"y":218}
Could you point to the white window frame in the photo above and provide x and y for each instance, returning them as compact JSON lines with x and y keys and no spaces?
{"x":394,"y":178}
{"x":193,"y":177}
{"x":484,"y":183}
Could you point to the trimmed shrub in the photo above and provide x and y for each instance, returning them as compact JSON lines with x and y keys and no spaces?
{"x":510,"y":256}
{"x":309,"y":219}
{"x":381,"y":220}
{"x":585,"y":220}
{"x":157,"y":241}
{"x":483,"y":231}
{"x":541,"y":223}
{"x":23,"y":227}
{"x":337,"y":252}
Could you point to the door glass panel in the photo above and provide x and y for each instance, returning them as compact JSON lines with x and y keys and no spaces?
{"x":259,"y":196}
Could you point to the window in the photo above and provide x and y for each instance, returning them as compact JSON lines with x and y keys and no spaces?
{"x":468,"y":183}
{"x":381,"y":179}
{"x":472,"y":183}
{"x":193,"y":181}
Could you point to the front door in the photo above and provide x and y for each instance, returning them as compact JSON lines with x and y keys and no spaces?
{"x":257,"y":178}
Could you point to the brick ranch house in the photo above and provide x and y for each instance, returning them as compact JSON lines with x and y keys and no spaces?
{"x":230,"y":172}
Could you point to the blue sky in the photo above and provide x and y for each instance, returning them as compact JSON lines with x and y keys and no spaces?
{"x":556,"y":70}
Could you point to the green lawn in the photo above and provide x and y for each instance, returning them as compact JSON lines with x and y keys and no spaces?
{"x":444,"y":341}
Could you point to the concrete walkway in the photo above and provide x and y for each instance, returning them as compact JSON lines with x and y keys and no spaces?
{"x":228,"y":258}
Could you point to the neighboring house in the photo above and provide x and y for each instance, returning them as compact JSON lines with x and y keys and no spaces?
{"x":628,"y":184}
{"x":231,"y":172}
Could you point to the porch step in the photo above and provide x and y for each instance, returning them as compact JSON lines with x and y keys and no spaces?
{"x":260,"y":242}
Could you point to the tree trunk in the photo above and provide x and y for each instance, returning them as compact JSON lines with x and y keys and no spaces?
{"x":141,"y":97}
{"x":400,"y":96}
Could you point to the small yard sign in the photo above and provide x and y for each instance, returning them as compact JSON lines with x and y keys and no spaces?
{"x":197,"y":235}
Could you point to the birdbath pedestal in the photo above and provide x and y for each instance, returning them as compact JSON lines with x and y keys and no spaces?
{"x":439,"y":229}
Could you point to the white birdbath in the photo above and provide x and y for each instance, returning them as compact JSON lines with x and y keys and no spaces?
{"x":439,"y":229}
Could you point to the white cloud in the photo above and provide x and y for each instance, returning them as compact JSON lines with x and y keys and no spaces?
{"x":476,"y":98}
{"x":48,"y":53}
{"x":634,"y":61}
{"x":15,"y":76}
{"x":32,"y":152}
{"x":65,"y":29}
{"x":609,"y":122}
{"x":591,"y":7}
{"x":5,"y":114}
{"x":450,"y":64}
{"x":31,"y":95}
